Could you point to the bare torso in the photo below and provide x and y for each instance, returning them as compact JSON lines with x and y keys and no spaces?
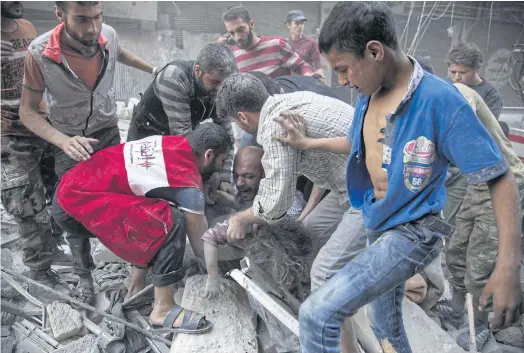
{"x":374,"y":127}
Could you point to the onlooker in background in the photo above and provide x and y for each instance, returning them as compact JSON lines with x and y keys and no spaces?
{"x":23,"y":186}
{"x":464,"y":61}
{"x":271,"y":55}
{"x":74,"y":65}
{"x":305,"y":47}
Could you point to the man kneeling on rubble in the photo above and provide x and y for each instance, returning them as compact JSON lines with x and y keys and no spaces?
{"x":140,"y":199}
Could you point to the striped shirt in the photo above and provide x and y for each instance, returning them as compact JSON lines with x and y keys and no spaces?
{"x":323,"y":117}
{"x":272,"y":56}
{"x":175,"y":87}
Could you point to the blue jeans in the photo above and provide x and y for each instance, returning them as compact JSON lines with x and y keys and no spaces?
{"x":375,"y":276}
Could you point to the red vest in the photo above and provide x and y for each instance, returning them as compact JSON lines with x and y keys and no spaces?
{"x":106,"y":193}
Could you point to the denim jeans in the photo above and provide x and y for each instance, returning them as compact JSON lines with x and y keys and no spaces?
{"x":374,"y":276}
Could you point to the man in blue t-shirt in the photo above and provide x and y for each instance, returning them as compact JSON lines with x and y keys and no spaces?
{"x":408,"y":126}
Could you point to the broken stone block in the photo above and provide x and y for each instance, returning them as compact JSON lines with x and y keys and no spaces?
{"x":8,"y":344}
{"x":86,"y":344}
{"x":233,"y":320}
{"x":512,"y":336}
{"x":65,"y":321}
{"x":424,"y":334}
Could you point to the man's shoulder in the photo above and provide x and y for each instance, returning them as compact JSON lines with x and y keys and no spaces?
{"x":25,"y":25}
{"x":177,"y":71}
{"x":274,"y":40}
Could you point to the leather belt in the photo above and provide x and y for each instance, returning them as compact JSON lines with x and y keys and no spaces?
{"x":436,"y":224}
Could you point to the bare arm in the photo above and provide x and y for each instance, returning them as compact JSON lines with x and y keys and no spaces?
{"x":504,"y":283}
{"x":29,"y":105}
{"x":227,"y":199}
{"x":314,"y":199}
{"x":196,"y":225}
{"x":211,"y":256}
{"x":129,"y":59}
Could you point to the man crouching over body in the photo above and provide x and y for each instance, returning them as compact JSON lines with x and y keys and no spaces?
{"x":140,"y":199}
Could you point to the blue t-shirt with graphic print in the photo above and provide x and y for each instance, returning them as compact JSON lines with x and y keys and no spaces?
{"x":433,"y":125}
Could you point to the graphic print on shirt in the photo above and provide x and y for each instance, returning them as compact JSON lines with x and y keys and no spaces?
{"x":145,"y":165}
{"x":419,"y":154}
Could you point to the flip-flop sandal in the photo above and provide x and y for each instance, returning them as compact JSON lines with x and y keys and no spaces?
{"x":192,"y":323}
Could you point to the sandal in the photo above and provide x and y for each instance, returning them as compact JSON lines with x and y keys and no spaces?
{"x":192,"y":323}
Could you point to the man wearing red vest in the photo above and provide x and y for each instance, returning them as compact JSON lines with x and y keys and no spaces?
{"x":140,"y":199}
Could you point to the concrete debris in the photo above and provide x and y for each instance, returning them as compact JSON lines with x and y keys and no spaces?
{"x":64,"y":320}
{"x":8,"y":343}
{"x":424,"y":334}
{"x":87,"y":344}
{"x":7,"y":291}
{"x":233,"y":320}
{"x":512,"y":336}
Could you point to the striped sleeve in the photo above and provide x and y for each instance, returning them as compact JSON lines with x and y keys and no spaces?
{"x":173,"y":89}
{"x":292,"y":60}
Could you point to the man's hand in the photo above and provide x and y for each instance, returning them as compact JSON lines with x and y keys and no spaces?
{"x":210,"y":189}
{"x":7,"y":51}
{"x":226,"y":186}
{"x":212,"y":287}
{"x":79,"y":148}
{"x":504,"y":287}
{"x":294,"y":124}
{"x":237,"y":229}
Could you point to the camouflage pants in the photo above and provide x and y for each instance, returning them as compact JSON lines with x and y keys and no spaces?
{"x":24,"y":195}
{"x":473,"y":249}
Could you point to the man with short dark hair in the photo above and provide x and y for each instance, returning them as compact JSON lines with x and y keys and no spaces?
{"x":271,"y":55}
{"x":139,"y":199}
{"x":304,"y":46}
{"x":73,"y":66}
{"x":332,"y":224}
{"x":464,"y":62}
{"x":182,"y":95}
{"x":408,"y":126}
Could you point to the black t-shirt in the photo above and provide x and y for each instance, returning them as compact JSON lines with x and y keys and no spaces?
{"x":491,"y":96}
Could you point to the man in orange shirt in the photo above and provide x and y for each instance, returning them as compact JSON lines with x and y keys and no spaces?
{"x":73,"y":67}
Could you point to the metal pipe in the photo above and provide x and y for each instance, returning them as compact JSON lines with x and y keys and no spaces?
{"x":83,"y":305}
{"x":265,"y":300}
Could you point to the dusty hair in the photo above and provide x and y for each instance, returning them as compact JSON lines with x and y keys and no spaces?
{"x":283,"y":251}
{"x":465,"y":54}
{"x":63,"y":4}
{"x":235,"y":12}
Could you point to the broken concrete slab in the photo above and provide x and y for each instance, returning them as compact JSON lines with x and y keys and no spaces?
{"x":102,"y":254}
{"x":512,"y":336}
{"x":87,"y":344}
{"x":234,"y":325}
{"x":424,"y":334}
{"x":64,"y":320}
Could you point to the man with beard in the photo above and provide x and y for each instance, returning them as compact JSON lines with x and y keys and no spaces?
{"x":73,"y":65}
{"x":182,"y":95}
{"x":140,"y":199}
{"x":24,"y":186}
{"x":271,"y":55}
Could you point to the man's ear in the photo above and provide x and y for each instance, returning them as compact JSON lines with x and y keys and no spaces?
{"x":209,"y":155}
{"x":242,"y":117}
{"x":375,"y":50}
{"x":198,"y":71}
{"x":59,"y":13}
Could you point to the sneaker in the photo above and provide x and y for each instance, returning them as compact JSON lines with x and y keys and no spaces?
{"x":445,"y":312}
{"x":482,"y":335}
{"x":50,"y":279}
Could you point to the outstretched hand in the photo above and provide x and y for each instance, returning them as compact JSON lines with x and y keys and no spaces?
{"x":293,"y":122}
{"x":212,"y":287}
